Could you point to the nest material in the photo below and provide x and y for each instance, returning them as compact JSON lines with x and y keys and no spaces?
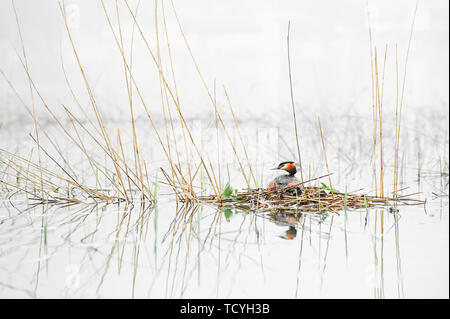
{"x":308,"y":199}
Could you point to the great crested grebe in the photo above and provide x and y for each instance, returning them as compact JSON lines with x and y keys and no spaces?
{"x":286,"y":181}
{"x":281,"y":218}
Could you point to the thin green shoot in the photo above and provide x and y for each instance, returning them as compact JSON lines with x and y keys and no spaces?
{"x":328,"y":188}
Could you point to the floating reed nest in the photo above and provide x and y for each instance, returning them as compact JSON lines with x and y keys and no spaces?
{"x":308,"y":199}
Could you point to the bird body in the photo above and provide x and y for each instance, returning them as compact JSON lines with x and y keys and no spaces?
{"x":288,"y":181}
{"x":284,"y":181}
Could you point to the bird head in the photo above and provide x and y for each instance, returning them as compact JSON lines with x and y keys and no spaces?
{"x":288,"y":167}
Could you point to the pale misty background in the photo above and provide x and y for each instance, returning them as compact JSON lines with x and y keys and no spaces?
{"x":239,"y":44}
{"x":242,"y":45}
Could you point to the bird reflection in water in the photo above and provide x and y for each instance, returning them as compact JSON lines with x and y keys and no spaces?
{"x":291,"y":220}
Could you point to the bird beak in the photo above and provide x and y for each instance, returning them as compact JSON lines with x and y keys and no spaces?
{"x":274,"y":168}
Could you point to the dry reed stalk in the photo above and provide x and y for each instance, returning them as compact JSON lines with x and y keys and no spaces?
{"x":33,"y":181}
{"x":92,"y":163}
{"x":33,"y":178}
{"x":104,"y":150}
{"x":119,"y":142}
{"x":182,"y":120}
{"x":177,"y":98}
{"x":240,"y":136}
{"x":172,"y":185}
{"x":14,"y":163}
{"x":292,"y":102}
{"x":28,"y":167}
{"x":137,"y":88}
{"x":217,"y":139}
{"x":232,"y":146}
{"x":396,"y":127}
{"x":374,"y":113}
{"x":324,"y":152}
{"x":398,"y":120}
{"x":80,"y":144}
{"x":161,"y":85}
{"x":164,"y":89}
{"x":77,"y":102}
{"x":76,"y":183}
{"x":148,"y":181}
{"x":214,"y":176}
{"x":31,"y":113}
{"x":36,"y":131}
{"x":137,"y":160}
{"x":377,"y":103}
{"x":71,"y":116}
{"x":121,"y":184}
{"x":206,"y":88}
{"x":380,"y":109}
{"x":110,"y":149}
{"x":120,"y":151}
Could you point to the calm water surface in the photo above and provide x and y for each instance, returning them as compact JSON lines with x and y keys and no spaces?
{"x":170,"y":251}
{"x":167,"y":250}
